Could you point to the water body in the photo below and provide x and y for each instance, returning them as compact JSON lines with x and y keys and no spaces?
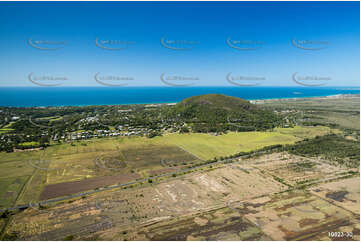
{"x":83,"y":96}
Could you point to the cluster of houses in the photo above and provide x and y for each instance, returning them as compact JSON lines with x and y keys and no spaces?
{"x":120,"y":131}
{"x":82,"y":133}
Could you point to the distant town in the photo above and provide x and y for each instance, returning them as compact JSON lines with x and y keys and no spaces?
{"x":38,"y":127}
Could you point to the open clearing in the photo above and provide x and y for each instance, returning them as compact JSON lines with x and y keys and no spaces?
{"x":66,"y":188}
{"x":208,"y":146}
{"x":343,"y":112}
{"x":345,"y":193}
{"x":192,"y":193}
{"x":216,"y":224}
{"x":296,"y":170}
{"x":124,"y":156}
{"x":300,"y":216}
{"x":278,"y":196}
{"x":9,"y":189}
{"x":245,"y":200}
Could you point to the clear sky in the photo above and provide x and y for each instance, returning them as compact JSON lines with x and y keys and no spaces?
{"x":326,"y":42}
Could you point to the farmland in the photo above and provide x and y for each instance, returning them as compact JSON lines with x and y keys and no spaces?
{"x":248,"y":199}
{"x":301,"y":189}
{"x":127,"y":158}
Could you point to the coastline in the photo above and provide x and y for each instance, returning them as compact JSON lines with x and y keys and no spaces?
{"x":258,"y":101}
{"x":336,"y":96}
{"x":155,"y":104}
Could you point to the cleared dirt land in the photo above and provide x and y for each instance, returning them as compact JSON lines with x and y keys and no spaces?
{"x":66,"y":188}
{"x":245,"y":200}
{"x":32,"y":175}
{"x":278,"y":196}
{"x":345,"y":193}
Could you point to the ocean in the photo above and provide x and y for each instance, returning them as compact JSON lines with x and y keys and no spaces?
{"x":83,"y":96}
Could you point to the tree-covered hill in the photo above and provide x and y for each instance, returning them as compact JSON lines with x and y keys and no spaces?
{"x":216,"y":112}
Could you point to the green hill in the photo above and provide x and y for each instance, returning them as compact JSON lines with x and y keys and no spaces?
{"x":216,"y":112}
{"x":217,"y":101}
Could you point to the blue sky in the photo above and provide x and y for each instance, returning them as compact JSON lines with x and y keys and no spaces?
{"x":200,"y":28}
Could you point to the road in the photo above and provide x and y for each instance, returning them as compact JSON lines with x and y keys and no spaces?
{"x":77,"y":195}
{"x":46,"y":202}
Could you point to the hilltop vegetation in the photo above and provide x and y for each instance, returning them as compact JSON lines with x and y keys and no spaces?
{"x":217,"y":101}
{"x":26,"y":128}
{"x":105,"y":185}
{"x":217,"y":113}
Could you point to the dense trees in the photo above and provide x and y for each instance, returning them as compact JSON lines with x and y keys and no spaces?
{"x":24,"y":128}
{"x":332,"y":147}
{"x":219,"y":113}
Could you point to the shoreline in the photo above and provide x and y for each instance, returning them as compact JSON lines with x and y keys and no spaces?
{"x":336,"y":96}
{"x":253,"y":101}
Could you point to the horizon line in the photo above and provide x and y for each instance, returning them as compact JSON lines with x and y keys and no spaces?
{"x":174,"y":86}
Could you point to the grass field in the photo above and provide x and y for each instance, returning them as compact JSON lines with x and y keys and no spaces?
{"x":206,"y":146}
{"x":343,"y":112}
{"x":14,"y":172}
{"x":33,"y":143}
{"x":246,"y":199}
{"x":140,"y":154}
{"x":94,"y":158}
{"x":10,"y":188}
{"x":307,"y":132}
{"x":238,"y":201}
